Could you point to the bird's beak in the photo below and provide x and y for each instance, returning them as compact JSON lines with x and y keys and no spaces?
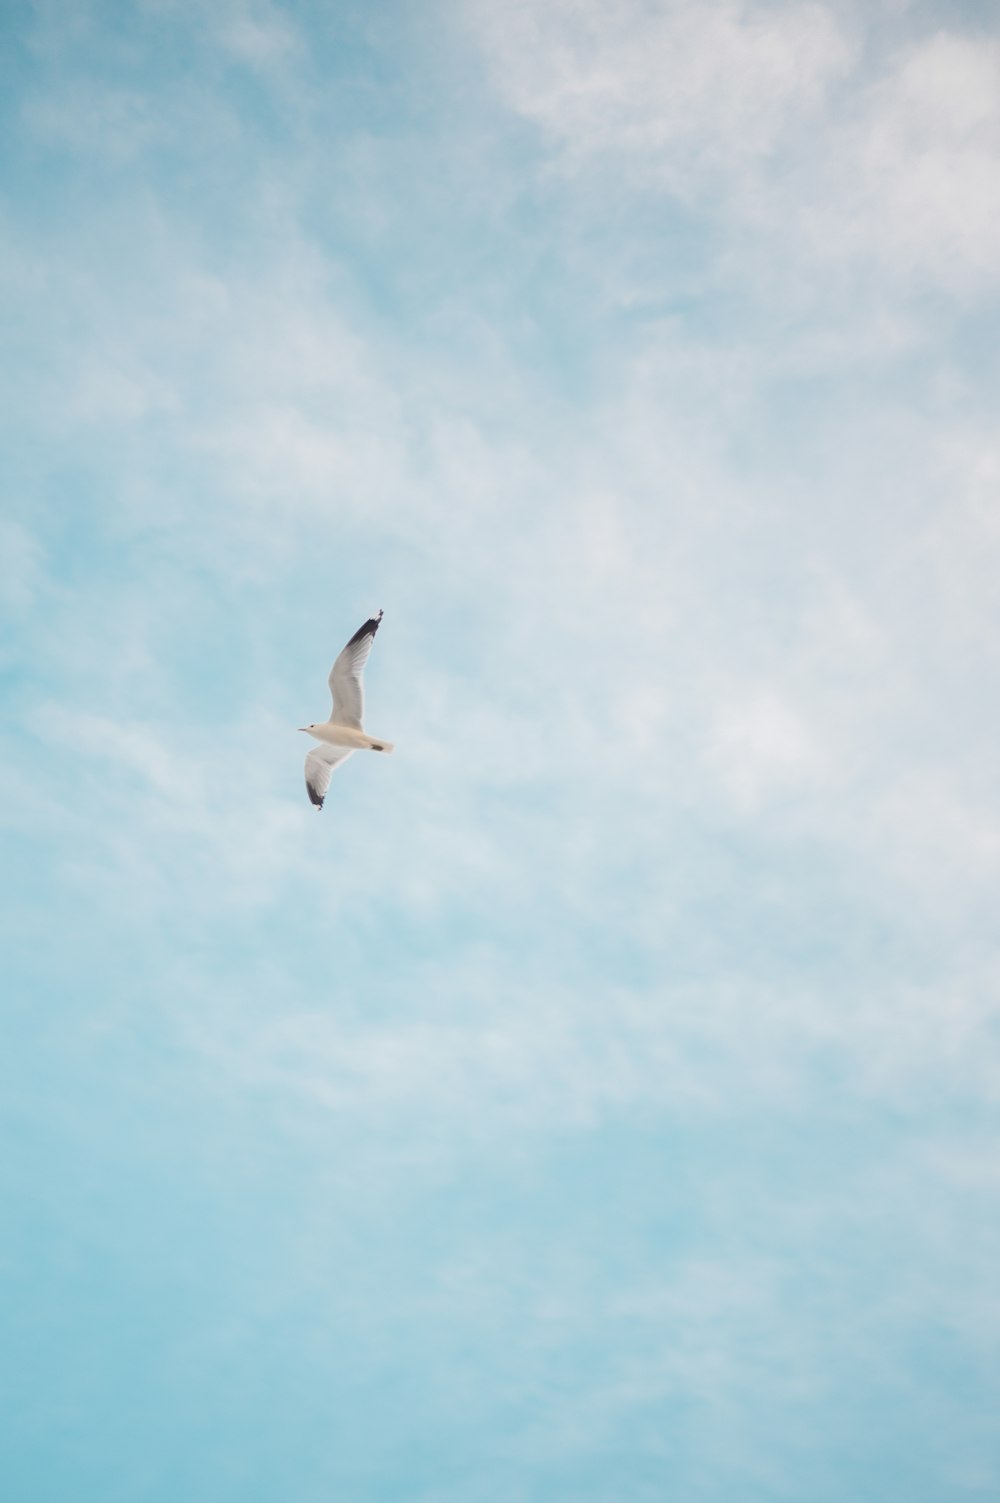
{"x":303,"y":727}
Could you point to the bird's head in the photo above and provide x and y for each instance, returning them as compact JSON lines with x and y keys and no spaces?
{"x":307,"y":727}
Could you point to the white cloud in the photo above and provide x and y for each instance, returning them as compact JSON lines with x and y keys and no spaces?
{"x":687,"y":858}
{"x":257,"y":33}
{"x":914,"y":183}
{"x":761,"y":747}
{"x":678,"y":89}
{"x":654,"y":649}
{"x":821,"y":148}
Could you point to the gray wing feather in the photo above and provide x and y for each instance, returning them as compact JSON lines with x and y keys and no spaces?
{"x":346,"y":686}
{"x":320,"y":764}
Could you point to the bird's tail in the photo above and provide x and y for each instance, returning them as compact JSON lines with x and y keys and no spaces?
{"x":375,"y":744}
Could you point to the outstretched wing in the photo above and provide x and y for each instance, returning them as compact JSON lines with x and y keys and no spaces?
{"x":345,"y":676}
{"x":320,"y":764}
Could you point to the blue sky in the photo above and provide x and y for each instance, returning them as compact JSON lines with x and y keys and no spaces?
{"x":597,"y":1103}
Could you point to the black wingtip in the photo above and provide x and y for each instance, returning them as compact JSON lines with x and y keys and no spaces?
{"x":314,"y":797}
{"x":368,"y":630}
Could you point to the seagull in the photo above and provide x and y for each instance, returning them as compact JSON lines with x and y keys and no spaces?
{"x":342,"y":734}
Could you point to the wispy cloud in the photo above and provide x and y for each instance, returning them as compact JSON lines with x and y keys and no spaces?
{"x":679,"y":91}
{"x":640,"y":1013}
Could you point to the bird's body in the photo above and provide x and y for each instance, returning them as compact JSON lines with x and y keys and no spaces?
{"x":343,"y":734}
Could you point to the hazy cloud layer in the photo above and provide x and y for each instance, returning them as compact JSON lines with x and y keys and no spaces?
{"x":599,"y":1098}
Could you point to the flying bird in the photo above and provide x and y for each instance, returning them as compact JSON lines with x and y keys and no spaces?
{"x":343,"y":734}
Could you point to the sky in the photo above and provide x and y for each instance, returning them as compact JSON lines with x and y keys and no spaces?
{"x":598,"y":1101}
